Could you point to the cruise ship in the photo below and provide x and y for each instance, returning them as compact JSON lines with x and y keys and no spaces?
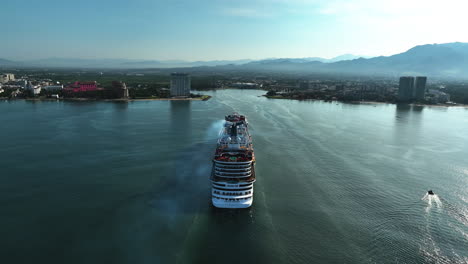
{"x":233,"y":173}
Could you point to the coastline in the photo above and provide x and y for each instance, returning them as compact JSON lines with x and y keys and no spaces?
{"x":366,"y":102}
{"x":203,"y":98}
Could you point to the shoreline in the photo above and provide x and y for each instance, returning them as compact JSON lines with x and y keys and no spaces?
{"x":367,"y":102}
{"x":204,"y":98}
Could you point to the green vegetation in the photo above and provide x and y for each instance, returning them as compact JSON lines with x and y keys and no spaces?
{"x":271,"y":93}
{"x":458,"y":93}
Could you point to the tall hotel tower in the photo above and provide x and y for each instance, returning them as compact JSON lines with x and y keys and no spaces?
{"x":180,"y":84}
{"x":406,"y":89}
{"x":420,"y":88}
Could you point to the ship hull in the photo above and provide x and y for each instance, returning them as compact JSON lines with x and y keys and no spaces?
{"x":236,"y":205}
{"x":227,"y":195}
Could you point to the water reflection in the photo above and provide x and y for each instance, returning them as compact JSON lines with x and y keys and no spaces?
{"x":181,"y":116}
{"x":119,"y":106}
{"x":408,"y":113}
{"x":407,"y":132}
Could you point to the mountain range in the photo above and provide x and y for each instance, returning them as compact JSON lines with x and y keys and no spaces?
{"x":449,"y":60}
{"x":440,"y":60}
{"x":129,"y":63}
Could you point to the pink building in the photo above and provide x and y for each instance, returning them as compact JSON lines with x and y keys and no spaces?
{"x":83,"y":87}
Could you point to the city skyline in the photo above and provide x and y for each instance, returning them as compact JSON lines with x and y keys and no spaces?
{"x":225,"y":30}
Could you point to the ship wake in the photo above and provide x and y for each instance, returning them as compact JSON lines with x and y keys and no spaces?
{"x":442,"y":217}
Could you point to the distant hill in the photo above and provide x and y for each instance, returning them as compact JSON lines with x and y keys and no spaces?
{"x":305,"y":60}
{"x":345,"y":57}
{"x":441,"y":60}
{"x":178,"y":63}
{"x":132,"y":64}
{"x":4,"y":62}
{"x":449,"y":60}
{"x":115,"y":63}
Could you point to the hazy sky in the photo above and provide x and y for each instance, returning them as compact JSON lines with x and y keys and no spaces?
{"x":225,"y":29}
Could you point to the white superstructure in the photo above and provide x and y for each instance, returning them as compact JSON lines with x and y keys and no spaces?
{"x":233,"y":173}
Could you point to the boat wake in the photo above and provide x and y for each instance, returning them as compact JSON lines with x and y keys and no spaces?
{"x":432,"y":201}
{"x":443,"y":217}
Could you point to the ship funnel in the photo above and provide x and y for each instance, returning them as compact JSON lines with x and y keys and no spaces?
{"x":233,"y":130}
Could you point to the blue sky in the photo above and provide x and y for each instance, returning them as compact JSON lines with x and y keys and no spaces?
{"x":225,"y":29}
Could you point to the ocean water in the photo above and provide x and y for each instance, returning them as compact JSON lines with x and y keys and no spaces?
{"x":101,"y":182}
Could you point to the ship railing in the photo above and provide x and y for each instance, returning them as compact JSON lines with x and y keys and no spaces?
{"x":245,"y":166}
{"x":233,"y":180}
{"x":225,"y":142}
{"x":228,"y":169}
{"x":227,"y":186}
{"x":241,"y":132}
{"x":233,"y":177}
{"x":233,"y":173}
{"x":222,"y":174}
{"x":233,"y":162}
{"x":241,"y":148}
{"x":232,"y":169}
{"x":243,"y":141}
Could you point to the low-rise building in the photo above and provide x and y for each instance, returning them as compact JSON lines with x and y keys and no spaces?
{"x":437,"y":97}
{"x":83,"y":87}
{"x":53,"y":87}
{"x":15,"y":93}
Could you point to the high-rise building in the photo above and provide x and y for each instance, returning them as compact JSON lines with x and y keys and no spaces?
{"x":6,"y":77}
{"x":180,"y":84}
{"x":420,"y":88}
{"x":120,"y":89}
{"x":36,"y":89}
{"x":406,"y":89}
